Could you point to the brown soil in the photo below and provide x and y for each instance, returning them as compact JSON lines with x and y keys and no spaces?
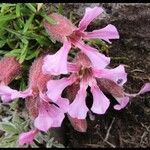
{"x":129,"y":127}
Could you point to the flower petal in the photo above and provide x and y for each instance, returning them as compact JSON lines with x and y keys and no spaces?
{"x":145,"y":88}
{"x":56,"y":87}
{"x":118,"y":74}
{"x":57,"y":64}
{"x":90,"y":15}
{"x":43,"y":121}
{"x":125,"y":100}
{"x":100,"y":101}
{"x":27,"y":137}
{"x":79,"y":125}
{"x":63,"y":104}
{"x":7,"y":94}
{"x":72,"y":67}
{"x":122,"y":103}
{"x":109,"y":86}
{"x":107,"y":33}
{"x":78,"y":108}
{"x":98,"y":60}
{"x":57,"y":114}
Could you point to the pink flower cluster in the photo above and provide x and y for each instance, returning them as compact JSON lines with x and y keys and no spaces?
{"x":89,"y":68}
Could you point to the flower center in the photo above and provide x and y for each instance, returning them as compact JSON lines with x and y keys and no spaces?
{"x":75,"y":36}
{"x":85,"y":73}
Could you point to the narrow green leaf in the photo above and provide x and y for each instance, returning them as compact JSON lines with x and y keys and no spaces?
{"x":9,"y":141}
{"x":8,"y":4}
{"x":25,"y":41}
{"x":2,"y":43}
{"x":60,"y":8}
{"x":28,"y":23}
{"x":31,"y":7}
{"x":18,"y":12}
{"x":13,"y":32}
{"x":8,"y":127}
{"x":7,"y":17}
{"x":3,"y":52}
{"x":58,"y":145}
{"x":15,"y":52}
{"x":24,"y":51}
{"x":4,"y":7}
{"x":22,"y":85}
{"x":42,"y":40}
{"x":32,"y":55}
{"x":49,"y":19}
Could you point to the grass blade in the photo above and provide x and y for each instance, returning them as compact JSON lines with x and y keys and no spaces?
{"x":28,"y":23}
{"x":50,"y":20}
{"x":31,"y":7}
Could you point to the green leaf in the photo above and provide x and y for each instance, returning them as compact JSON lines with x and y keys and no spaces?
{"x":28,"y":23}
{"x":49,"y":143}
{"x":49,"y":19}
{"x":24,"y":51}
{"x":32,"y":55}
{"x":14,"y":32}
{"x":20,"y":23}
{"x":4,"y":7}
{"x":25,"y":41}
{"x":31,"y":7}
{"x":2,"y":43}
{"x":15,"y":52}
{"x":8,"y":127}
{"x":14,"y":106}
{"x":60,"y":8}
{"x":42,"y":40}
{"x":18,"y":12}
{"x":9,"y":141}
{"x":22,"y":85}
{"x":3,"y":52}
{"x":58,"y":145}
{"x":7,"y":17}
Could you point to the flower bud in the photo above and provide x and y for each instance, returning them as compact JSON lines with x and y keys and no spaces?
{"x":61,"y":29}
{"x":37,"y":82}
{"x":9,"y":69}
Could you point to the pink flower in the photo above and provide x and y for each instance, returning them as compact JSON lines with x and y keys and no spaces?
{"x":7,"y":94}
{"x":10,"y":68}
{"x":79,"y":125}
{"x":68,"y":34}
{"x":47,"y":114}
{"x":124,"y":101}
{"x":84,"y":75}
{"x":27,"y":137}
{"x":50,"y":115}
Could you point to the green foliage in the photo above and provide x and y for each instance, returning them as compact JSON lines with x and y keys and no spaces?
{"x":22,"y":32}
{"x":23,"y":36}
{"x":99,"y":44}
{"x":12,"y":125}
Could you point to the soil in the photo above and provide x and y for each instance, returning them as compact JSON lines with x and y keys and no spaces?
{"x":129,"y":127}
